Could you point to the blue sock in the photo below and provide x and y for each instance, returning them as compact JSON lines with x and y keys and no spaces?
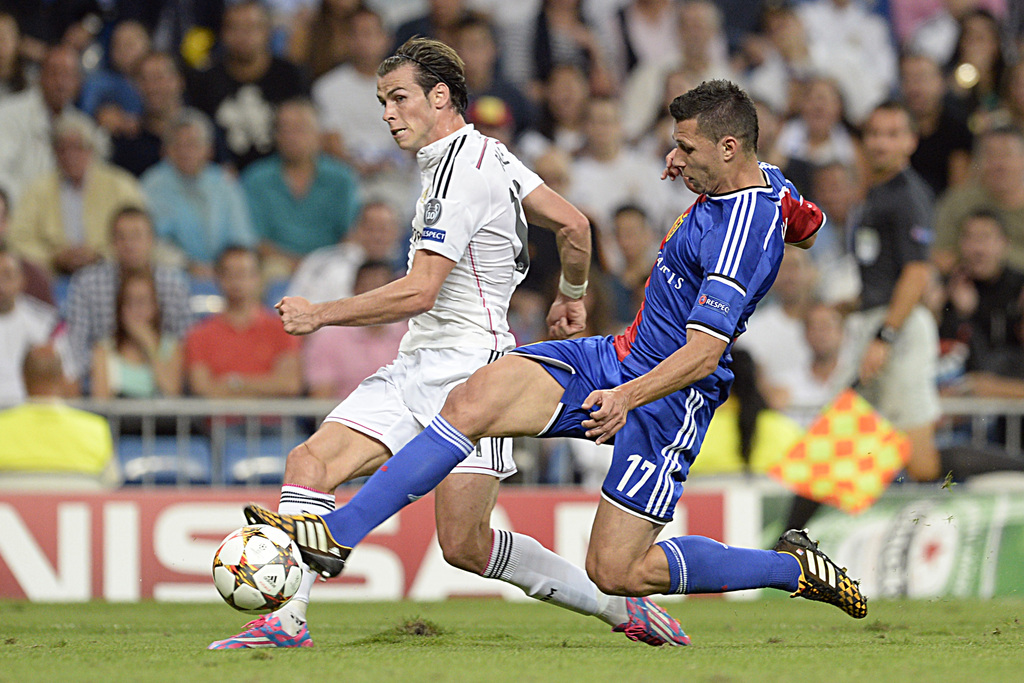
{"x":701,"y":565}
{"x":411,"y":473}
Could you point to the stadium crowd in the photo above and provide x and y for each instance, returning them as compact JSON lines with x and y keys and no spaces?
{"x":155,"y":154}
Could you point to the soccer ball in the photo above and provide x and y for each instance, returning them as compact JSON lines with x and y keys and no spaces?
{"x":256,"y":569}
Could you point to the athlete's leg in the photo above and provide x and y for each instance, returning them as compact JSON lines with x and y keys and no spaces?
{"x":924,"y":463}
{"x":334,"y":454}
{"x":462,"y":512}
{"x":463,"y":505}
{"x":513,"y":396}
{"x":621,"y":560}
{"x":624,"y":560}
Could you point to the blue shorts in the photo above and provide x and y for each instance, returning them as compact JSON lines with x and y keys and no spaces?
{"x":654,"y":449}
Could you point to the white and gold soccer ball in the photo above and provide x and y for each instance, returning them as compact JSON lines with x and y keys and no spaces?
{"x":256,"y":569}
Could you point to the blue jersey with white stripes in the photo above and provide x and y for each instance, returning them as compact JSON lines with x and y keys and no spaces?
{"x":713,"y":267}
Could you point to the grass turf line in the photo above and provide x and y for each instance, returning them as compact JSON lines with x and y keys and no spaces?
{"x":489,"y":640}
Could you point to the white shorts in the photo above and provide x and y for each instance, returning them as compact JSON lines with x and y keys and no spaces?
{"x":395,"y":403}
{"x":905,"y":391}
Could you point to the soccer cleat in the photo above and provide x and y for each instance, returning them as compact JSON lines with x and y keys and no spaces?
{"x":649,"y":623}
{"x":820,"y":578}
{"x":266,"y":631}
{"x":310,"y":532}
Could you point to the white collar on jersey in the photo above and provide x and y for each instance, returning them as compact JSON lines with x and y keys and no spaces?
{"x":429,"y":155}
{"x":767,"y":187}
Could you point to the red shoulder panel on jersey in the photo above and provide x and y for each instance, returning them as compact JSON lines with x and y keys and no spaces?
{"x":802,"y":218}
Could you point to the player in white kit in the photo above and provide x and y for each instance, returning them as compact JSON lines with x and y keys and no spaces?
{"x":467,"y":254}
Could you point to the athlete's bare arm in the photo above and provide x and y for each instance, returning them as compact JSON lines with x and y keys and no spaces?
{"x":546,"y":208}
{"x":697,"y":359}
{"x":807,"y":243}
{"x":402,"y":299}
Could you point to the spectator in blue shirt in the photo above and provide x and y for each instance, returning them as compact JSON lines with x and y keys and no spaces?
{"x":110,"y":95}
{"x":196,"y":206}
{"x":300,"y":198}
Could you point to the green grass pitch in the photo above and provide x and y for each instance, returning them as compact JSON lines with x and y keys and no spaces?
{"x":489,"y":640}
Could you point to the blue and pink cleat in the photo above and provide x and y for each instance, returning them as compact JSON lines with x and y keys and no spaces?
{"x":649,"y":623}
{"x":267,"y":631}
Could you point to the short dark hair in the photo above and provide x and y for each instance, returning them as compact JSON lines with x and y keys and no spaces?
{"x":377,"y":203}
{"x":721,"y":109}
{"x":163,"y":56}
{"x":232,"y":250}
{"x":1007,"y":130}
{"x":370,"y":266}
{"x":300,"y":101}
{"x":130,"y":210}
{"x":896,"y":105}
{"x":985,"y":213}
{"x":435,"y":63}
{"x":911,"y":54}
{"x":374,"y":264}
{"x":630,"y":207}
{"x":258,"y":4}
{"x":847,"y":168}
{"x":471,"y":20}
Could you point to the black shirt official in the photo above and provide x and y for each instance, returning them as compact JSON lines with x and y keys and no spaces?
{"x":892,"y":227}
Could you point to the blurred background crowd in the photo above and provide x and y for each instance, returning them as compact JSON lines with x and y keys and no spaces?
{"x":169,"y":169}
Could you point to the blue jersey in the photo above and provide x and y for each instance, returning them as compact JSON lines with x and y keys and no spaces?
{"x":715,"y":264}
{"x":718,"y":260}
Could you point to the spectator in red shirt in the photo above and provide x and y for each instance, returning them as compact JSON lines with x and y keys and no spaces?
{"x":243,"y":352}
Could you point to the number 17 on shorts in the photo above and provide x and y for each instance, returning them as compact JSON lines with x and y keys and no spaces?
{"x":643,"y":487}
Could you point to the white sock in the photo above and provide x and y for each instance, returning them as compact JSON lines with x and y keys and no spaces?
{"x":543,"y":575}
{"x":296,"y":500}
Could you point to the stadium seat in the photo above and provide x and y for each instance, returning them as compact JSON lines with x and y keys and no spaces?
{"x":61,"y":287}
{"x":257,"y":462}
{"x":274,"y":291}
{"x":160,"y":462}
{"x":204,"y":298}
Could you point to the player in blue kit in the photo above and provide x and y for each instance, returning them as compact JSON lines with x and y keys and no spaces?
{"x":650,"y":391}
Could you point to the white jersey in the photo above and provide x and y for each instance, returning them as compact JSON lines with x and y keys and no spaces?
{"x":470,"y":211}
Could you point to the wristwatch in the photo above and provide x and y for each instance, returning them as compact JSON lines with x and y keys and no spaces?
{"x":888,"y":334}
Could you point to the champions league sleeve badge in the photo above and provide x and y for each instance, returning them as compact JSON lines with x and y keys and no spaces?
{"x":432,"y":211}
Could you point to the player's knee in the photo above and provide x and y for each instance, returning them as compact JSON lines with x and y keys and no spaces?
{"x":607,"y":579}
{"x":464,"y":550}
{"x":610,"y":583}
{"x":465,"y":409}
{"x":616,"y":578}
{"x":302,"y":468}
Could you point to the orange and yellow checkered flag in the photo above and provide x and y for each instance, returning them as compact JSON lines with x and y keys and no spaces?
{"x":847,"y":458}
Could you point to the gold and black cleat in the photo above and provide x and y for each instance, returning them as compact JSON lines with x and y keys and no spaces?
{"x":310,"y":532}
{"x":820,"y":578}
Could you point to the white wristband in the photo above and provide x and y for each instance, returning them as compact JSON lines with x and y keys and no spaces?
{"x":570,"y":290}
